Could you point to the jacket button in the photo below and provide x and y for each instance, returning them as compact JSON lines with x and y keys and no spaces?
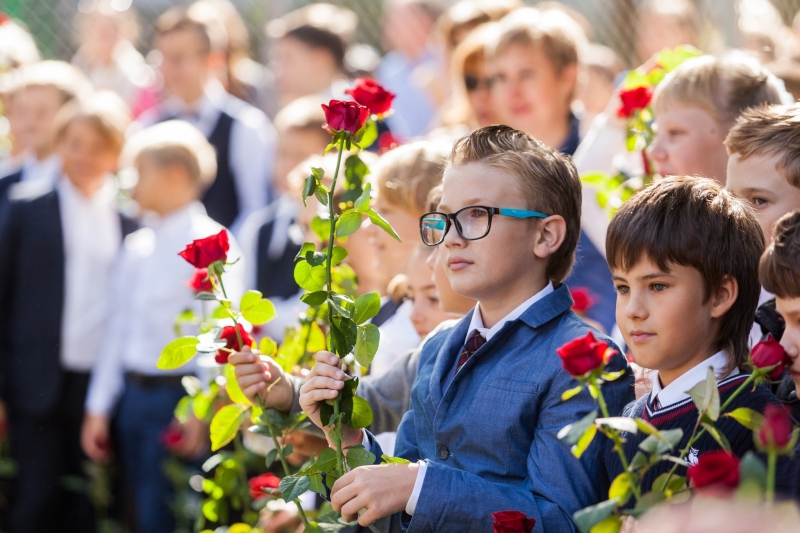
{"x":444,"y":453}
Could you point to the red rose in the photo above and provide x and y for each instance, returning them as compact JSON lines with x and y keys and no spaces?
{"x":171,"y":437}
{"x":776,"y":431}
{"x":582,"y":299}
{"x":232,"y":342}
{"x":344,"y":116}
{"x":371,"y":94}
{"x":583,"y":355}
{"x":767,"y":353}
{"x":200,"y":281}
{"x":203,"y":252}
{"x":715,"y":468}
{"x":634,"y":99}
{"x":511,"y":522}
{"x":259,"y":484}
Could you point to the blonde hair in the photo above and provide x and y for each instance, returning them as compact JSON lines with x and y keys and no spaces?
{"x":560,"y":36}
{"x":723,"y":87}
{"x":200,"y":18}
{"x":106,"y":113}
{"x":301,"y":114}
{"x":464,"y":16}
{"x":175,"y":142}
{"x":68,"y":80}
{"x":405,"y":175}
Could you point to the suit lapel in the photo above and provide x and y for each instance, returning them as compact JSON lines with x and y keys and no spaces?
{"x":446,"y":358}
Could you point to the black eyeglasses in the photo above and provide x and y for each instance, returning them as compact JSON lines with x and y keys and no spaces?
{"x":473,"y":83}
{"x":472,"y":223}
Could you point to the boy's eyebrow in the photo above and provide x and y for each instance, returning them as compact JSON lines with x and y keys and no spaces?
{"x":468,"y":203}
{"x":751,"y":190}
{"x":647,"y":276}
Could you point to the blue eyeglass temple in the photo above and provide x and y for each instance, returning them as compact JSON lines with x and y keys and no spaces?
{"x":439,"y":224}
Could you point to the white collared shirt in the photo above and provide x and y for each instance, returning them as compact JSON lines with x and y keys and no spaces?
{"x":677,"y":391}
{"x":252,"y":142}
{"x":34,"y":169}
{"x":92,"y":238}
{"x":476,"y":324}
{"x":149,"y":289}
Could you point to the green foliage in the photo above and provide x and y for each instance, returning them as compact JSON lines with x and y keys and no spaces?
{"x":177,"y":353}
{"x":255,"y":309}
{"x":589,"y":517}
{"x":359,"y":456}
{"x":367,"y":306}
{"x":225,"y":425}
{"x":366,"y":346}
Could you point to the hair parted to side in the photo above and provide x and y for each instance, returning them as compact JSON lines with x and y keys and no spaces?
{"x":546,"y":179}
{"x":174,"y":142}
{"x":723,"y":87}
{"x":780,"y":265}
{"x":695,"y":222}
{"x":405,"y":175}
{"x":104,"y":111}
{"x":769,"y":130}
{"x":200,"y":19}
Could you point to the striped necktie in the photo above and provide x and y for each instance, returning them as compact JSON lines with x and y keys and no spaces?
{"x":471,"y":346}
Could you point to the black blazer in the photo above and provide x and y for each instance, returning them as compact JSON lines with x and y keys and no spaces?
{"x":32,"y":302}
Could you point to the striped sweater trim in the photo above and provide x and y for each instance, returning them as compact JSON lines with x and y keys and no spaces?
{"x":682,"y":408}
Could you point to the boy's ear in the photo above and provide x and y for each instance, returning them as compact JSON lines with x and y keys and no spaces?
{"x":550,"y":235}
{"x":724,"y":298}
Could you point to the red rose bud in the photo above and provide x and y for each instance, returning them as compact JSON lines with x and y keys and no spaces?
{"x":715,"y":468}
{"x":582,"y":299}
{"x":171,"y":437}
{"x":583,"y":355}
{"x":767,"y":353}
{"x":200,"y":281}
{"x":203,"y":252}
{"x":634,"y":99}
{"x":511,"y":522}
{"x":232,"y":342}
{"x":371,"y":94}
{"x":260,"y":484}
{"x":776,"y":431}
{"x":344,"y":116}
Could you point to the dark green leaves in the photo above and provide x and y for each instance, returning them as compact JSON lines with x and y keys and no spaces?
{"x":313,"y":185}
{"x":662,"y":441}
{"x":587,"y":518}
{"x":580,"y":434}
{"x":360,"y":414}
{"x":367,"y":306}
{"x":355,"y":411}
{"x":314,"y":298}
{"x":342,"y":335}
{"x":293,"y":486}
{"x":359,"y":456}
{"x":706,"y":397}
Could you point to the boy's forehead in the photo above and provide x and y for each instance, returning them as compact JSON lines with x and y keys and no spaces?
{"x":475,"y":183}
{"x":788,"y":306}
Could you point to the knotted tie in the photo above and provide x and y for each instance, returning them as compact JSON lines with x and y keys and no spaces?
{"x":471,"y":346}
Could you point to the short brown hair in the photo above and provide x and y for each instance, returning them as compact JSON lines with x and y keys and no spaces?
{"x":175,"y":142}
{"x":780,"y":265}
{"x":105,"y":111}
{"x":769,"y":130}
{"x":466,"y":15}
{"x":546,"y":179}
{"x":405,"y":175}
{"x":199,"y":18}
{"x":695,"y":222}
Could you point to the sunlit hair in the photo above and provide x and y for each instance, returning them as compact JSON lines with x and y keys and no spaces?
{"x":546,"y":180}
{"x":302,"y":114}
{"x":464,"y":16}
{"x":200,"y":18}
{"x":104,"y":111}
{"x":405,"y":175}
{"x":772,"y":131}
{"x":70,"y":82}
{"x":780,"y":265}
{"x":174,"y":142}
{"x":722,"y":87}
{"x":695,"y":222}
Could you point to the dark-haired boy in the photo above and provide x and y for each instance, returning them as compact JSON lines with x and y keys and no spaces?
{"x":684,"y":258}
{"x":486,"y":406}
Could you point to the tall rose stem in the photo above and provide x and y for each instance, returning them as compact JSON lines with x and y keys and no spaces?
{"x":772,"y":463}
{"x":614,"y":435}
{"x":230,"y":313}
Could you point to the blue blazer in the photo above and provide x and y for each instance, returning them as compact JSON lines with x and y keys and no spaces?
{"x":490,"y":439}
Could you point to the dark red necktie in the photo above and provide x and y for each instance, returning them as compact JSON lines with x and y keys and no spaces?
{"x":471,"y":346}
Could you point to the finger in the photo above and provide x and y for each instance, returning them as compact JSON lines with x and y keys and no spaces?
{"x":321,"y":382}
{"x":351,"y":508}
{"x":250,"y":380}
{"x":253,"y":390}
{"x":371,"y":515}
{"x":324,"y":369}
{"x":344,"y":481}
{"x":244,"y":356}
{"x":308,"y":400}
{"x":250,"y":369}
{"x":327,"y":357}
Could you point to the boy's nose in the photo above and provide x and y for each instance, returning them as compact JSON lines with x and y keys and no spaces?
{"x":656,"y":150}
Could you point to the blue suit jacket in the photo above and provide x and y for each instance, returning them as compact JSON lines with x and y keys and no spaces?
{"x":490,"y":439}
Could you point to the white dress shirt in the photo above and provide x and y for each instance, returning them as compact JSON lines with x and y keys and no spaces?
{"x":149,"y":289}
{"x":677,"y":390}
{"x":476,"y":324}
{"x":48,"y":168}
{"x":252,"y":142}
{"x":92,"y":236}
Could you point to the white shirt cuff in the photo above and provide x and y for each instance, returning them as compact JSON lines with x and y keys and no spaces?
{"x":411,"y":506}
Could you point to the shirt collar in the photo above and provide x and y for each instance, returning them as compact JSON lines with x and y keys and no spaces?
{"x":177,"y":219}
{"x":209,"y":103}
{"x":476,"y":323}
{"x":677,"y":390}
{"x":105,"y":197}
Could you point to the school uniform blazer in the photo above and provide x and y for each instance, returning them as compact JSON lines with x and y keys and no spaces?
{"x":490,"y":439}
{"x":32,"y":285}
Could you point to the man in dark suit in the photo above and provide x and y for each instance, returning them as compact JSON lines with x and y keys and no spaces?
{"x":57,"y":249}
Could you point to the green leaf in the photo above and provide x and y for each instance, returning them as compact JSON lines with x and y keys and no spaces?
{"x":572,"y":433}
{"x":362,"y":202}
{"x":268,"y":347}
{"x":645,"y":426}
{"x":321,"y":227}
{"x":326,"y":462}
{"x":752,"y":470}
{"x":343,"y":335}
{"x":589,"y":517}
{"x":255,"y":309}
{"x":202,"y":403}
{"x":612,"y":524}
{"x":348,"y":223}
{"x":341,"y":304}
{"x":177,"y":353}
{"x":706,"y":396}
{"x":316,"y":484}
{"x":210,"y":510}
{"x":749,"y":418}
{"x":602,"y":199}
{"x":613,"y":376}
{"x":670,"y":58}
{"x":339,"y":255}
{"x":621,"y":488}
{"x":676,"y":483}
{"x":661,"y":441}
{"x":359,"y":456}
{"x":570,"y":393}
{"x":206,"y":296}
{"x":181,"y":411}
{"x":584,"y":442}
{"x":361,"y":415}
{"x":367,"y":135}
{"x":322,"y":194}
{"x":270,"y":458}
{"x":367,"y":344}
{"x":314,"y":299}
{"x":232,"y":386}
{"x":620,"y":423}
{"x":367,"y":306}
{"x":293,"y":486}
{"x":316,"y":258}
{"x":309,"y":187}
{"x":309,"y":278}
{"x":381,"y":223}
{"x":354,"y":171}
{"x":394,"y":460}
{"x":595,"y":179}
{"x":638,"y":461}
{"x":307,"y":247}
{"x":225,"y":425}
{"x":718,"y":436}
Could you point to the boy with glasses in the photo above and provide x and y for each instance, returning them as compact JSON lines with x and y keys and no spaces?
{"x":515,"y":208}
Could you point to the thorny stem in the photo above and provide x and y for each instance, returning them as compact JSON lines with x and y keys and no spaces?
{"x":614,"y":435}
